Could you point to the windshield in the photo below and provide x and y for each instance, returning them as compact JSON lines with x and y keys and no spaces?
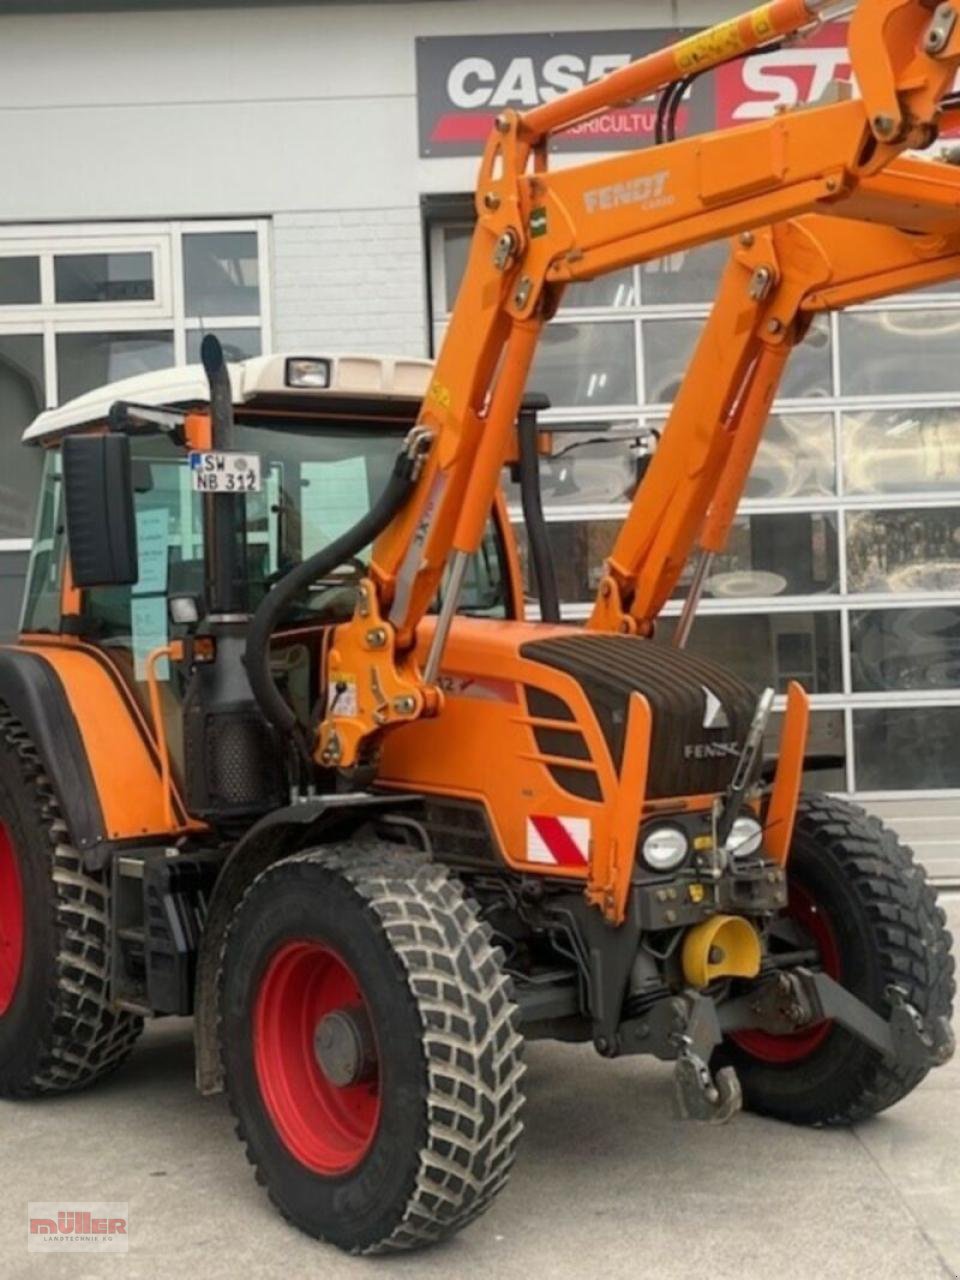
{"x":318,"y":478}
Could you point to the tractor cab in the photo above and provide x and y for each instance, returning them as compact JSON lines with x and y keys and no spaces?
{"x":314,"y":439}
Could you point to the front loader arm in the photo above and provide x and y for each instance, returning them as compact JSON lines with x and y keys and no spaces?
{"x":539,"y":230}
{"x":776,"y":281}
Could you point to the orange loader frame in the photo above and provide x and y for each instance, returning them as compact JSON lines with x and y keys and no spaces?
{"x":539,"y":230}
{"x":777,"y":280}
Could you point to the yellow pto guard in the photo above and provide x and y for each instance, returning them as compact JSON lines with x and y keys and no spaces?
{"x":724,"y":947}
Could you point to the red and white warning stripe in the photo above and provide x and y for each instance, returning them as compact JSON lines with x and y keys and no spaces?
{"x":558,"y":842}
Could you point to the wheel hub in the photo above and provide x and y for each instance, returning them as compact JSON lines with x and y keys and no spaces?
{"x":11,"y":921}
{"x":315,"y":1057}
{"x":344,"y":1047}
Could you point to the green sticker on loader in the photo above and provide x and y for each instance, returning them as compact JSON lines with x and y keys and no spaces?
{"x":538,"y":223}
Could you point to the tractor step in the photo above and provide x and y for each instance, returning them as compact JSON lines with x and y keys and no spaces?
{"x":159,"y":907}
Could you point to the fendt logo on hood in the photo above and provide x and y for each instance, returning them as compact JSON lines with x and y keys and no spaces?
{"x":714,"y":716}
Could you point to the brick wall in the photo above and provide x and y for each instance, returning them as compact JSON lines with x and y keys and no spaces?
{"x":350,"y":280}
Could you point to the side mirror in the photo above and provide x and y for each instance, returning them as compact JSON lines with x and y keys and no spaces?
{"x":101,"y":527}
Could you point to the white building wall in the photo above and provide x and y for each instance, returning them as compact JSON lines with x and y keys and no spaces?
{"x":306,"y":114}
{"x":367,"y":265}
{"x":203,"y":112}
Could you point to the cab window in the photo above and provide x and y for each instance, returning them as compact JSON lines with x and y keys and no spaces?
{"x":41,"y":601}
{"x":315,"y":486}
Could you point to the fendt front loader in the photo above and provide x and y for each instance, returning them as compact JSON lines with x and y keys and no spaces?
{"x":279,"y":750}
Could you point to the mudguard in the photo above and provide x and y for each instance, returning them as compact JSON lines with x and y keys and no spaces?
{"x":96,"y":744}
{"x":32,"y":693}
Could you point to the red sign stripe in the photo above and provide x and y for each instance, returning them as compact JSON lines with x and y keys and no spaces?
{"x":554,"y":835}
{"x":463,"y":126}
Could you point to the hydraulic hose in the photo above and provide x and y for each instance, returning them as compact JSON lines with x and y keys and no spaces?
{"x":671,"y":99}
{"x":320,"y":565}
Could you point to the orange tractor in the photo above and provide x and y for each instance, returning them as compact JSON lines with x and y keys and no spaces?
{"x":280,"y":751}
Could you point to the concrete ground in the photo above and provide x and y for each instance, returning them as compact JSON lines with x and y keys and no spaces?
{"x":607,"y":1185}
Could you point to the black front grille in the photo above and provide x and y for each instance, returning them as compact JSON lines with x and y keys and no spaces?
{"x":687,"y":757}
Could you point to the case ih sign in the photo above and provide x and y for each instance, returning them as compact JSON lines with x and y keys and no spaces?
{"x":464,"y":81}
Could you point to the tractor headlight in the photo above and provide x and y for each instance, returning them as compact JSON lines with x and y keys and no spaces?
{"x":312,"y":375}
{"x":664,"y":848}
{"x":745,"y":838}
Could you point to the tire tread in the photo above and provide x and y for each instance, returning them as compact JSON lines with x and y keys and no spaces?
{"x":84,"y":1037}
{"x":470,"y":1035}
{"x":909,"y":934}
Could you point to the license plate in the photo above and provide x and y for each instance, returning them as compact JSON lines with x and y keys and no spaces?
{"x":219,"y":472}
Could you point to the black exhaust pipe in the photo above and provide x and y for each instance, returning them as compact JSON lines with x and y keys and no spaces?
{"x":233,"y":763}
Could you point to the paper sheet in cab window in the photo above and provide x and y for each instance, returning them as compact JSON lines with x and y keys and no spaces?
{"x":334,"y":498}
{"x":153,"y":551}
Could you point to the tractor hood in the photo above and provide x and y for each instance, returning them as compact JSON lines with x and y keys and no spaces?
{"x":701,"y":713}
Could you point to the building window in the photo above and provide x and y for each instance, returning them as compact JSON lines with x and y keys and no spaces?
{"x":81,"y":306}
{"x":842,"y":569}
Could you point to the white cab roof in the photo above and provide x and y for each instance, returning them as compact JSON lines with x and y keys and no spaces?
{"x":360,"y":376}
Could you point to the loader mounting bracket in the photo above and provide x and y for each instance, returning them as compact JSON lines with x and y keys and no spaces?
{"x":790,"y":1001}
{"x":686,"y":1029}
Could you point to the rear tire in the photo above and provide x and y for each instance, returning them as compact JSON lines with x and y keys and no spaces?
{"x":58,"y":1030}
{"x":418,"y":1144}
{"x":880,"y":926}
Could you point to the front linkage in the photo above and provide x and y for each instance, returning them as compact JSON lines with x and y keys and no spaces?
{"x":853,"y":975}
{"x":689,"y":1028}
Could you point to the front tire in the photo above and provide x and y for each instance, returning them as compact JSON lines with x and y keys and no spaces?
{"x":371,"y":1049}
{"x":858,"y":897}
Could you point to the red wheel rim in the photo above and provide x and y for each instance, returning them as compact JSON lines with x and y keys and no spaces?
{"x":11,"y":921}
{"x":784,"y":1050}
{"x":326,"y":1127}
